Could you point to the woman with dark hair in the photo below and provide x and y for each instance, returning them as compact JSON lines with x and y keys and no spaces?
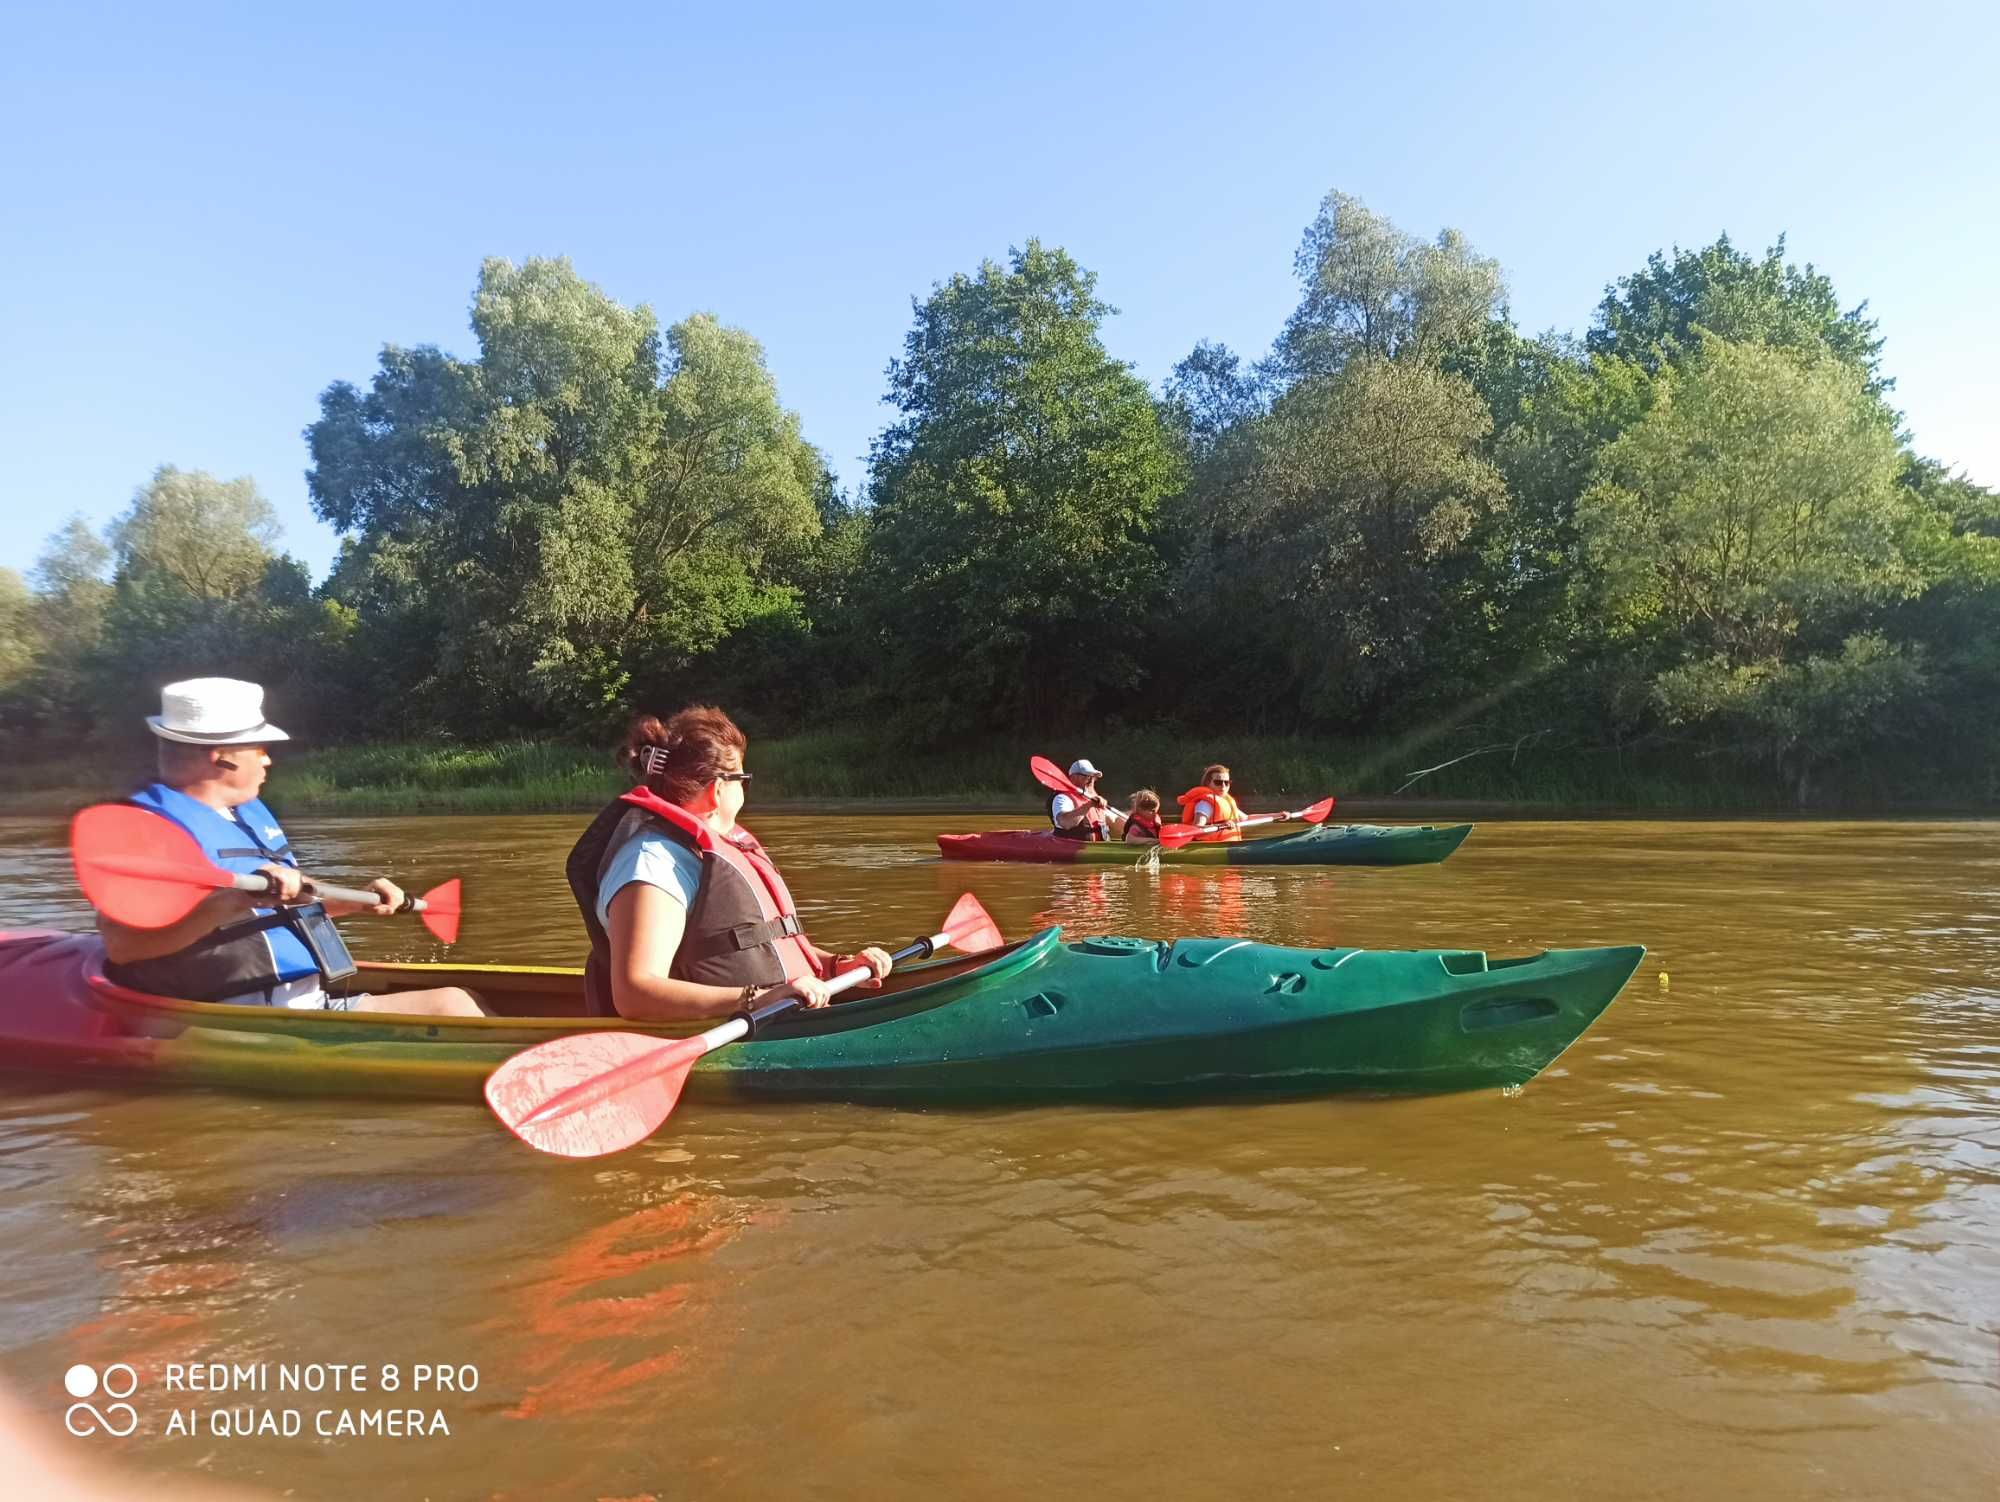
{"x":687,"y":915}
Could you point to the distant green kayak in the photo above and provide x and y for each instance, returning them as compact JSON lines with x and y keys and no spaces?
{"x":1107,"y":1017}
{"x":1326,"y":845}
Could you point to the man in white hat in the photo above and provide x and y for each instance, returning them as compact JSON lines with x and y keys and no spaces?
{"x":213,"y":757}
{"x":1089,"y":817}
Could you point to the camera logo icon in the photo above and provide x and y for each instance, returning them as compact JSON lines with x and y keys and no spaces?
{"x":83,"y":1417}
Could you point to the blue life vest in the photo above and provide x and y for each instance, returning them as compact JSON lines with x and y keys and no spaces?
{"x":271,"y":948}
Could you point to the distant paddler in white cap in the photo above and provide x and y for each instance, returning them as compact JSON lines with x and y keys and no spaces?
{"x":1088,"y":817}
{"x":214,"y":753}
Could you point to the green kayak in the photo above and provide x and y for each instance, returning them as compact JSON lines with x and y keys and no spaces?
{"x":1045,"y":1018}
{"x":1325,"y":845}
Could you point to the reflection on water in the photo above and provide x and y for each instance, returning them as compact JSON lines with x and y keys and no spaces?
{"x":1743,"y":1240}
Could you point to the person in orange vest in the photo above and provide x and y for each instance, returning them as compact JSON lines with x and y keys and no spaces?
{"x":1208,"y":802}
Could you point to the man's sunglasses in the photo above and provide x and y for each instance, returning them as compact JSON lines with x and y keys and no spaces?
{"x":734,"y":776}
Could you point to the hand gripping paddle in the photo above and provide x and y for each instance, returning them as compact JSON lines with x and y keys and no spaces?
{"x":588,"y":1094}
{"x":147,"y":872}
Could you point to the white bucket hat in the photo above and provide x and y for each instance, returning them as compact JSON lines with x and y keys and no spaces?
{"x":213,"y":712}
{"x":1081,"y":767}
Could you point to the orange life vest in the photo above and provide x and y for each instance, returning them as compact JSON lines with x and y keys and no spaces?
{"x":1225,"y":810}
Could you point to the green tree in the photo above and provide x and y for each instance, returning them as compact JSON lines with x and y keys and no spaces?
{"x":1208,"y":394}
{"x":19,"y":641}
{"x":196,"y":536}
{"x":1757,"y":496}
{"x":569,"y":519}
{"x":57,"y":697}
{"x":1371,"y":289}
{"x":1518,"y":629}
{"x":1805,"y":713}
{"x":198,"y":588}
{"x":1361,"y":488}
{"x":1656,"y":315}
{"x":1008,"y":551}
{"x":1742,"y":535}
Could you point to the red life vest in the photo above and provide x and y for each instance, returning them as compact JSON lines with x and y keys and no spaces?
{"x":1138,"y":823}
{"x":742,"y":929}
{"x":1225,"y":810}
{"x":1094,"y":825}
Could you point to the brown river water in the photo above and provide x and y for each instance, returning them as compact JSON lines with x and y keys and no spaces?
{"x":1742,"y":1240}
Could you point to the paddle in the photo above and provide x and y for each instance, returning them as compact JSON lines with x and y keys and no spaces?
{"x":1173,"y":836}
{"x":588,"y":1094}
{"x":1056,"y":780}
{"x":147,"y":872}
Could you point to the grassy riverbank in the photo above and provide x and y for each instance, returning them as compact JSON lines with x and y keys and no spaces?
{"x":1379,"y":778}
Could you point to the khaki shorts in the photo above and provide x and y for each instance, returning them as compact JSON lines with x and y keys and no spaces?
{"x":305,"y":995}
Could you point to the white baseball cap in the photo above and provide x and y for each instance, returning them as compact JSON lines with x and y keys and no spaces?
{"x":1081,"y":767}
{"x":213,"y":712}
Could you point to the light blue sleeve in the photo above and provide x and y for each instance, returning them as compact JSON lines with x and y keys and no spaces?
{"x":658,"y":861}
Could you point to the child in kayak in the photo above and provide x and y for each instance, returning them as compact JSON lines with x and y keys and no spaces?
{"x":1142,"y":823}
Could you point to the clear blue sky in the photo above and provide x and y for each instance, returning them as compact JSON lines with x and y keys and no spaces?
{"x":207,"y":214}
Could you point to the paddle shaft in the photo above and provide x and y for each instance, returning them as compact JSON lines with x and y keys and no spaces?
{"x":1177,"y":835}
{"x":315,"y":891}
{"x":744,"y":1024}
{"x":1248,"y":819}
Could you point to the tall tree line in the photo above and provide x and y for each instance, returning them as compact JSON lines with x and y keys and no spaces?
{"x":1699,"y":528}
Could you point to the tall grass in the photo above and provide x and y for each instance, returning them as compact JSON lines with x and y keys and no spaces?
{"x":861,"y":767}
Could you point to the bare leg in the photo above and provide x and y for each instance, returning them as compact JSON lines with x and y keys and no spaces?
{"x":445,"y":1001}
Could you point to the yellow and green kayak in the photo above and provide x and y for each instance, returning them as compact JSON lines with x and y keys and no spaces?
{"x":1325,"y":845}
{"x":1044,"y":1018}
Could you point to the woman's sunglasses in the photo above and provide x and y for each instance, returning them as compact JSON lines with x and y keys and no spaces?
{"x":734,"y":776}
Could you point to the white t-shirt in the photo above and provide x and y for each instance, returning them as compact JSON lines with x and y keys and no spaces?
{"x":1062,"y":803}
{"x":656,"y":859}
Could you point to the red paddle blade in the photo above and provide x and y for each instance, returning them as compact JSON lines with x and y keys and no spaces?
{"x":1053,"y":777}
{"x":441,"y":911}
{"x":138,"y":868}
{"x":1173,"y":836}
{"x":969,"y":927}
{"x":629,"y":1085}
{"x":1318,"y":812}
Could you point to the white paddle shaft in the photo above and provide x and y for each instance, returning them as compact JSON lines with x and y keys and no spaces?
{"x":314,"y":891}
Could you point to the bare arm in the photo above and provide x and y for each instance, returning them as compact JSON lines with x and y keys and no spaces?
{"x":1070,"y":817}
{"x":391,"y":898}
{"x":125,"y":945}
{"x":646,"y":928}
